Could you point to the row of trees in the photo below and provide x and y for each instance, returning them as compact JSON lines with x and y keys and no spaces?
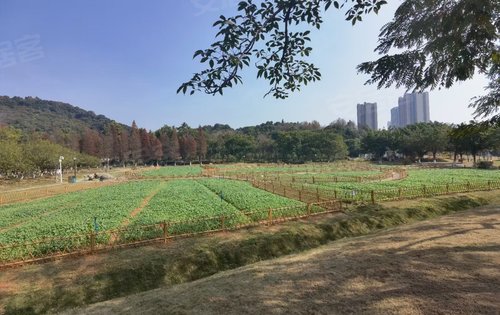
{"x":268,"y":142}
{"x":415,"y":141}
{"x":284,"y":141}
{"x":29,"y":155}
{"x":280,"y":141}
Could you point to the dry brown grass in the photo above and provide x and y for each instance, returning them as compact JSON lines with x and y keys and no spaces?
{"x":448,"y":265}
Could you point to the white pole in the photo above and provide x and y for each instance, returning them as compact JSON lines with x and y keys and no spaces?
{"x":61,"y":158}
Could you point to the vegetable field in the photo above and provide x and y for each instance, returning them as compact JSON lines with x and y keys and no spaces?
{"x":417,"y":183}
{"x":165,"y":206}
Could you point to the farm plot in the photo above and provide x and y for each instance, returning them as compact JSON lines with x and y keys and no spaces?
{"x":251,"y":200}
{"x":16,"y":214}
{"x":74,"y":213}
{"x":174,"y":171}
{"x":73,"y":224}
{"x":418,"y":183}
{"x":188,"y":207}
{"x":317,"y":168}
{"x":332,"y":176}
{"x":426,"y":177}
{"x":245,"y":197}
{"x":183,"y":200}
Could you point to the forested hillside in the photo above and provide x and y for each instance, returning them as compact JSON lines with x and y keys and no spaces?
{"x":34,"y":114}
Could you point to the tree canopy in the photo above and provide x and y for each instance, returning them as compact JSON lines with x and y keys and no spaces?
{"x":429,"y":44}
{"x":263,"y":32}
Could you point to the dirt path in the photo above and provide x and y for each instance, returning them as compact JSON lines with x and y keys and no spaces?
{"x":143,"y":205}
{"x":449,"y":265}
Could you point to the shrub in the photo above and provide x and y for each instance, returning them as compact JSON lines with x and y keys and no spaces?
{"x":485,"y":165}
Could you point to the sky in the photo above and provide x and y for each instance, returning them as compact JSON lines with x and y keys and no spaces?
{"x":125,"y":59}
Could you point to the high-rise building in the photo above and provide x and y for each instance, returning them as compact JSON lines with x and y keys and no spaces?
{"x":394,"y":117}
{"x":412,"y":108}
{"x":367,"y":116}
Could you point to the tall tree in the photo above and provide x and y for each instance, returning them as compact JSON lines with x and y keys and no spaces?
{"x":473,"y":137}
{"x":124,"y":147}
{"x":174,"y":152}
{"x":438,"y":137}
{"x":156,"y":148}
{"x":165,"y":144}
{"x":377,"y":142}
{"x":201,"y":141}
{"x":146,"y":149}
{"x":135,"y":143}
{"x":90,"y":142}
{"x":188,"y":147}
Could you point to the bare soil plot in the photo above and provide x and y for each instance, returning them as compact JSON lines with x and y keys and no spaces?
{"x":450,"y":265}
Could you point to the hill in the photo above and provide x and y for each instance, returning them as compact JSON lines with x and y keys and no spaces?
{"x":32,"y":114}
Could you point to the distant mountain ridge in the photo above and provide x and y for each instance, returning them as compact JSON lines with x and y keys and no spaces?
{"x":32,"y":114}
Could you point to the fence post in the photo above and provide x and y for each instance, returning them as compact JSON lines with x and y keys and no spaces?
{"x":222,"y":223}
{"x":270,"y":216}
{"x":92,"y":241}
{"x":165,"y":231}
{"x":300,"y":195}
{"x":399,"y":193}
{"x":284,"y":191}
{"x":447,"y":188}
{"x":314,"y":181}
{"x":373,"y":196}
{"x":308,"y":209}
{"x":335,"y":193}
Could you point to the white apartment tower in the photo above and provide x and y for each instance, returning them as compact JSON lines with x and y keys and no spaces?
{"x":412,"y":108}
{"x":367,"y":116}
{"x":394,"y":117}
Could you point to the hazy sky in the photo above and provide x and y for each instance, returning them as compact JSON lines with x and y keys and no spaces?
{"x":126,"y":58}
